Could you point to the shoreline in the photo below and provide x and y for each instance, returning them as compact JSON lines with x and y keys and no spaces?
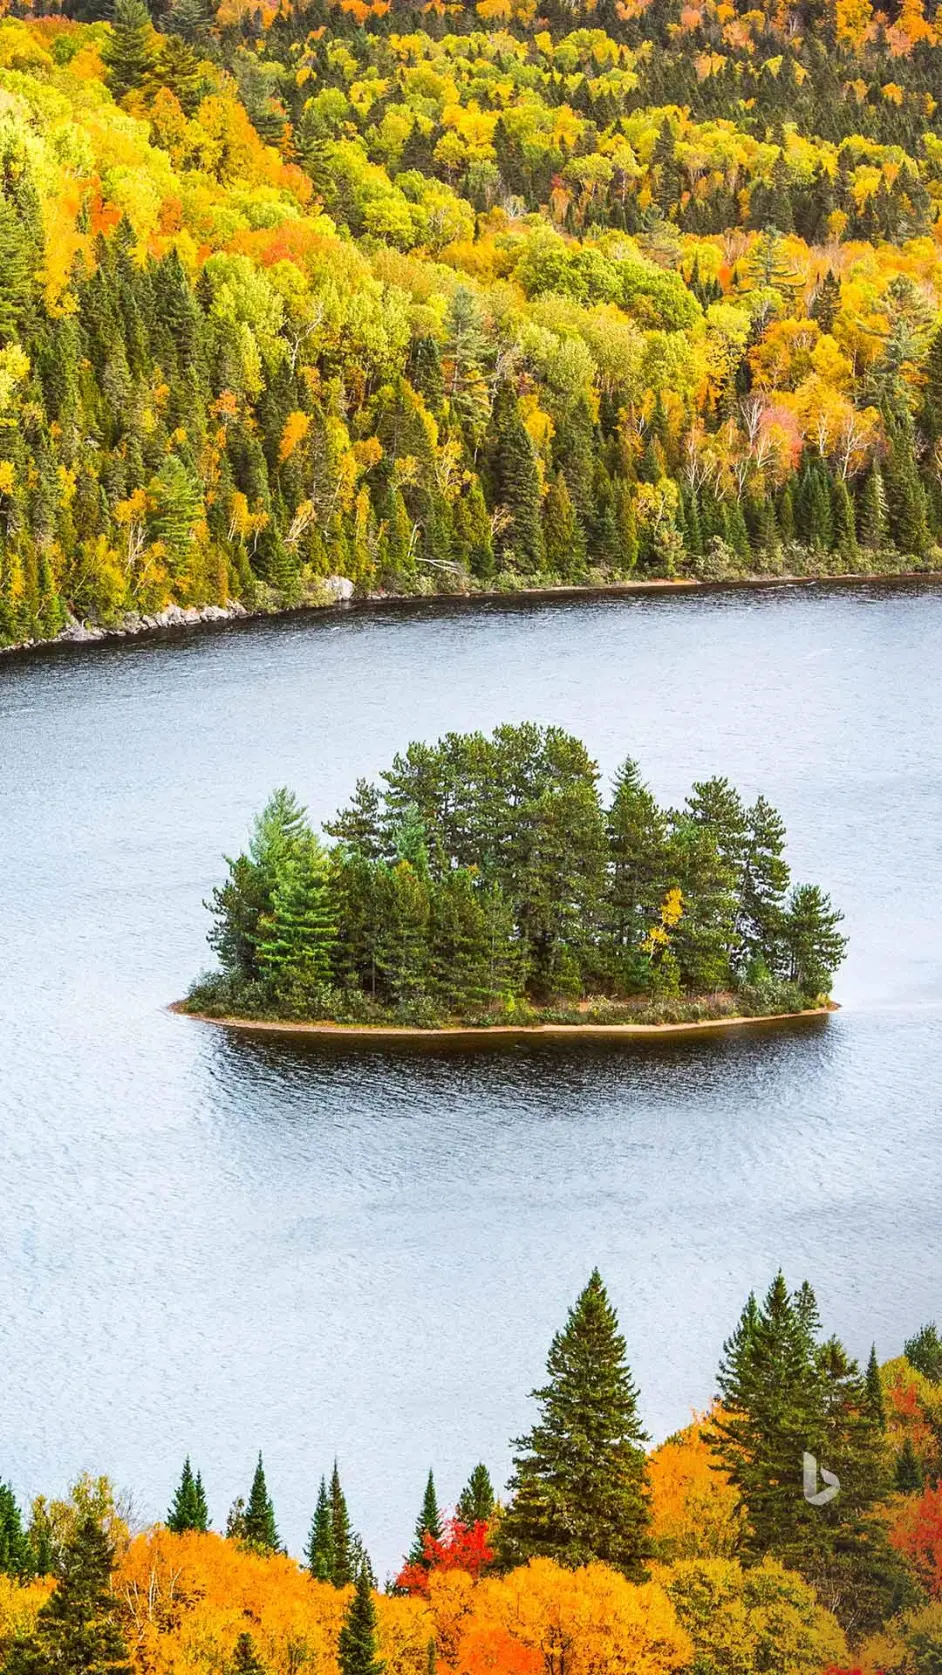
{"x":177,"y":618}
{"x":364,"y":1033}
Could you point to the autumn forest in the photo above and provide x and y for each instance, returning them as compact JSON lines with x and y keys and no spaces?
{"x":705,"y":1554}
{"x":443,"y":297}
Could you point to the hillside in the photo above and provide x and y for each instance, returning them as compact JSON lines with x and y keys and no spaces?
{"x":439,"y":297}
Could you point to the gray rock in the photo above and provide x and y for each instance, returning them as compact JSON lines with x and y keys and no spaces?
{"x":340,"y":588}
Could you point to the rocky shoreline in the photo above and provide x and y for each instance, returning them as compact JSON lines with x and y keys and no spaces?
{"x":339,"y":590}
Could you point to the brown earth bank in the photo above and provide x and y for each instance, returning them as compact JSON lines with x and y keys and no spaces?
{"x":338,"y":595}
{"x":458,"y":1033}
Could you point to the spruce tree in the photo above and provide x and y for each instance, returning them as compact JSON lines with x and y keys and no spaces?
{"x":476,"y":1502}
{"x":319,"y":1552}
{"x":342,"y":1533}
{"x":579,"y":1476}
{"x":189,"y":1510}
{"x":908,"y":1476}
{"x":78,"y":1629}
{"x":297,"y":936}
{"x":245,"y":1659}
{"x":875,"y":1400}
{"x":814,"y":947}
{"x":428,"y":1523}
{"x":516,"y":481}
{"x":259,"y":1529}
{"x":358,"y":1637}
{"x":16,"y":1556}
{"x":129,"y":54}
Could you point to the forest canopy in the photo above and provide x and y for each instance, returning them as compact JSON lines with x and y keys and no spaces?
{"x":461,"y":296}
{"x":487,"y":879}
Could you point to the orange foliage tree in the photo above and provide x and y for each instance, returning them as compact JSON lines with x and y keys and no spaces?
{"x":695,"y":1511}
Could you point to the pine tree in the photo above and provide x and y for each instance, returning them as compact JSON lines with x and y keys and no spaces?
{"x":358,"y":1636}
{"x":579,"y":1475}
{"x":16,"y":1557}
{"x":319,"y":1551}
{"x":245,"y":1660}
{"x":813,"y":944}
{"x":428,"y":1523}
{"x":562,"y":533}
{"x":259,"y":1529}
{"x":129,"y":54}
{"x":343,"y":1536}
{"x":908,"y":1476}
{"x":78,"y":1628}
{"x":189,"y":1510}
{"x":297,"y":937}
{"x":827,"y":299}
{"x":875,"y":1400}
{"x":872,"y":514}
{"x":476,"y":1502}
{"x":516,"y":481}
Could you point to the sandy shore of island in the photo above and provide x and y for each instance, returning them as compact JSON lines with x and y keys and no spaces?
{"x":363,"y":1034}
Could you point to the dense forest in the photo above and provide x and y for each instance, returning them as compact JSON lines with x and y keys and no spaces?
{"x":444,"y":296}
{"x":486,"y":881}
{"x":710,"y":1554}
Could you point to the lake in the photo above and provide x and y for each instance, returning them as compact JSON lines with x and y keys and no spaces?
{"x":214,"y":1244}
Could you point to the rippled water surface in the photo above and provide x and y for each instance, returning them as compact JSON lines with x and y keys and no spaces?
{"x":211,"y":1244}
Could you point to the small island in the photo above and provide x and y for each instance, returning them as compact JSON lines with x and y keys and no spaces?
{"x":487,"y":884}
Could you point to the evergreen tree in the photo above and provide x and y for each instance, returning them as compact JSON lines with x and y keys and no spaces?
{"x":908,"y":1476}
{"x":476,"y":1502}
{"x":428,"y":1523}
{"x":813,"y":944}
{"x":579,"y":1475}
{"x":924,"y":1352}
{"x":343,"y":1536}
{"x":358,"y":1636}
{"x":16,"y":1556}
{"x":516,"y":483}
{"x":297,"y":936}
{"x":875,"y":1400}
{"x":872,"y":515}
{"x":563,"y":537}
{"x":245,"y":1660}
{"x":319,"y":1552}
{"x":17,"y":267}
{"x":259,"y":1529}
{"x":78,"y":1628}
{"x":189,"y":1510}
{"x":129,"y":54}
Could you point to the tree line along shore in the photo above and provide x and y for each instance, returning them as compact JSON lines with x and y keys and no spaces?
{"x":461,"y":299}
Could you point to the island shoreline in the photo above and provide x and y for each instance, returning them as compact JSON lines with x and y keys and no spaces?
{"x":186,"y":620}
{"x":361,"y":1034}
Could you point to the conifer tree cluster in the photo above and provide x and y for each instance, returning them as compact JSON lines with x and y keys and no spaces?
{"x":487,"y":875}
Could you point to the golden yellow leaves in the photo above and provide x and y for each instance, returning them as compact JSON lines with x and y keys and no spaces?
{"x":7,"y":476}
{"x":296,"y":428}
{"x":672,"y":909}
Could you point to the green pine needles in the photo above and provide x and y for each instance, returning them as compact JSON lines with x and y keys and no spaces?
{"x":579,"y":1477}
{"x":487,"y":880}
{"x":189,"y":1510}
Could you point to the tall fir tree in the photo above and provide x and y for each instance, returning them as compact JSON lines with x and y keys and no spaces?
{"x":245,"y":1660}
{"x":579,"y":1478}
{"x":78,"y":1629}
{"x":428,"y":1523}
{"x":342,"y":1533}
{"x":259,"y":1529}
{"x":875,"y":1399}
{"x":358,"y":1654}
{"x":319,"y":1552}
{"x":476,"y":1502}
{"x":129,"y":53}
{"x":16,"y":1554}
{"x":189,"y":1510}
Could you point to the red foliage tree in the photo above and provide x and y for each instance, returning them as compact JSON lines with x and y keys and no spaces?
{"x":462,"y":1547}
{"x":917,"y":1534}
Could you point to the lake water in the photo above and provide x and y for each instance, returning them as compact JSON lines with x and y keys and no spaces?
{"x":213,"y":1244}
